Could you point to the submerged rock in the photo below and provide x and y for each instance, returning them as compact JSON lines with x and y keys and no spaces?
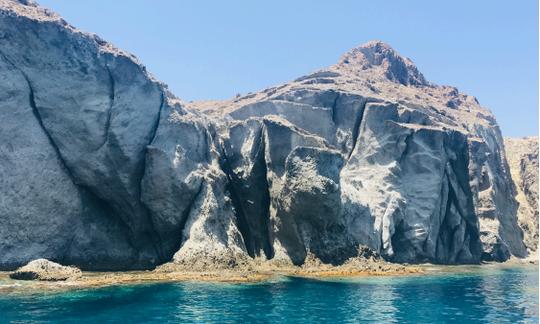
{"x":45,"y":270}
{"x":363,"y":154}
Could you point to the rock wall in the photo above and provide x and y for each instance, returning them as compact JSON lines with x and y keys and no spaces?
{"x":89,"y":113}
{"x":522,"y":155}
{"x":103,"y":168}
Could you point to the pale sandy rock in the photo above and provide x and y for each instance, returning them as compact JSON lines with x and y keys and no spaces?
{"x":307,"y":213}
{"x":522,"y":155}
{"x":210,"y":238}
{"x":45,"y":270}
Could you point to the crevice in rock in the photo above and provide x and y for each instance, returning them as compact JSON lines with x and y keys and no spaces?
{"x":208,"y":140}
{"x":37,"y":115}
{"x":260,"y":162}
{"x":334,"y":107}
{"x":154,"y":235}
{"x":447,"y":233}
{"x":356,"y":128}
{"x":399,"y":242}
{"x":256,"y":230}
{"x":405,"y":152}
{"x":443,"y":194}
{"x":460,"y":195}
{"x":154,"y":129}
{"x":242,"y":224}
{"x":111,"y":105}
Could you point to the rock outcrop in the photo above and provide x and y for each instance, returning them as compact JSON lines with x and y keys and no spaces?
{"x":45,"y":270}
{"x":421,"y":175}
{"x":102,"y":167}
{"x":522,"y":155}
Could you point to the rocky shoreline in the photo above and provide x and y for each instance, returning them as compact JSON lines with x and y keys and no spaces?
{"x":47,"y":274}
{"x":255,"y":273}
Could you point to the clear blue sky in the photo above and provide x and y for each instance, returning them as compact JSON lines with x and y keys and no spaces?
{"x":215,"y":49}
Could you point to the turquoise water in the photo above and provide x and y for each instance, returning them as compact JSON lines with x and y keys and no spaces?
{"x":494,"y":295}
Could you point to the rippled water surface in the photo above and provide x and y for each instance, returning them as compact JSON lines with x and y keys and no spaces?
{"x":492,"y":294}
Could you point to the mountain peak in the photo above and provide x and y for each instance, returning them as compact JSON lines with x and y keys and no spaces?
{"x":377,"y":55}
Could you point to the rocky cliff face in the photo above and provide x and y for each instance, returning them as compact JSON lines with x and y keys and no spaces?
{"x":522,"y":155}
{"x":103,"y":168}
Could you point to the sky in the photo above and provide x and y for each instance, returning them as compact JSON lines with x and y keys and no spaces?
{"x":215,"y":49}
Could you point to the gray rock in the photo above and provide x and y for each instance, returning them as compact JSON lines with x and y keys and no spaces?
{"x":82,"y":113}
{"x":187,"y":193}
{"x":45,"y":270}
{"x":244,"y":161}
{"x":421,"y":179}
{"x":308,"y":207}
{"x":414,"y":181}
{"x":102,"y":167}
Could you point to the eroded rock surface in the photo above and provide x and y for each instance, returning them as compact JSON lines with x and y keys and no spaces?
{"x":522,"y":155}
{"x":421,"y":175}
{"x":102,"y":167}
{"x":81,"y":116}
{"x":45,"y":270}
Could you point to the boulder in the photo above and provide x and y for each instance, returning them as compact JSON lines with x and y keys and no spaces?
{"x":45,"y":270}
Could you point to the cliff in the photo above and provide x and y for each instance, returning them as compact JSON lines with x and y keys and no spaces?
{"x":102,"y":167}
{"x":522,"y":155}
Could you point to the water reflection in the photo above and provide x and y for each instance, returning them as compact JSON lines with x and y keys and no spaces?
{"x":509,"y":292}
{"x":368,"y":302}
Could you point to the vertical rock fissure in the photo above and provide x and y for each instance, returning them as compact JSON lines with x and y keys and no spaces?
{"x":37,"y":115}
{"x":261,"y":162}
{"x":255,"y":230}
{"x":111,"y":105}
{"x":407,"y":141}
{"x":447,"y":234}
{"x":242,"y":224}
{"x":155,"y":126}
{"x":155,"y":237}
{"x":453,"y":252}
{"x":441,"y":215}
{"x":334,"y":107}
{"x":207,"y":139}
{"x":356,"y":127}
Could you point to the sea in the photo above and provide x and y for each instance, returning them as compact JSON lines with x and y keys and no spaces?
{"x":480,"y":294}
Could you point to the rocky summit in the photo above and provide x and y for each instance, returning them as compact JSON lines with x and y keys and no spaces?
{"x":103,"y":168}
